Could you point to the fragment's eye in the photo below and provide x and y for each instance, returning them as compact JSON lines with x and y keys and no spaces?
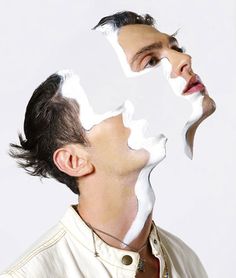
{"x":152,"y":62}
{"x":179,"y":49}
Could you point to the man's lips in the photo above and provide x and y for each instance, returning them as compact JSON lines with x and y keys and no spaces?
{"x":194,"y":85}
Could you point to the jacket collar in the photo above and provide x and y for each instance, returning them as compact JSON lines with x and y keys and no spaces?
{"x":78,"y":229}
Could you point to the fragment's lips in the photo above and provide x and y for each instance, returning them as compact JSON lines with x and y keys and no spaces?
{"x":194,"y":85}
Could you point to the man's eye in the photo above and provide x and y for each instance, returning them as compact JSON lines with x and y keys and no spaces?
{"x":152,"y":62}
{"x":179,"y":49}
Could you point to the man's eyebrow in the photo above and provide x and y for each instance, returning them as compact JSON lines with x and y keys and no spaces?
{"x":156,"y":45}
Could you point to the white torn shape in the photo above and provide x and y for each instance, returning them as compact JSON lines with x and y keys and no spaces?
{"x":197,"y":112}
{"x":146,"y":200}
{"x":155,"y":146}
{"x":196,"y":99}
{"x":177,"y":85}
{"x":72,"y":88}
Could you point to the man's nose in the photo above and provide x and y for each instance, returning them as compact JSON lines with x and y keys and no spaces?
{"x":181,"y":64}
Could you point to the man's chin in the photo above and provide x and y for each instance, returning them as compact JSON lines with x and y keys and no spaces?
{"x":208,"y":107}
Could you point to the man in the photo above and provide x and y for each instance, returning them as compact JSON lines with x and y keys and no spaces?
{"x":107,"y":161}
{"x":141,"y":47}
{"x":110,"y":232}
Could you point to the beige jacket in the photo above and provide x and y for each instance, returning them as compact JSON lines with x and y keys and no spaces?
{"x":68,"y":251}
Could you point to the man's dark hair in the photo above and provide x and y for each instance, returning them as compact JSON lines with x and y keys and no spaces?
{"x":120,"y":19}
{"x":51,"y":121}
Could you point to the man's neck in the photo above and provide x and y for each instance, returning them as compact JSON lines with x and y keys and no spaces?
{"x":110,"y":204}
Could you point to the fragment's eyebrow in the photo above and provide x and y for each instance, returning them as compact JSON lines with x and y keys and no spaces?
{"x":156,"y":45}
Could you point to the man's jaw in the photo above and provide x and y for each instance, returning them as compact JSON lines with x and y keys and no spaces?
{"x":207,"y":108}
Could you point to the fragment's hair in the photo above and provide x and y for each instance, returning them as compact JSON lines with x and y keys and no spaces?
{"x":51,"y":121}
{"x":117,"y":20}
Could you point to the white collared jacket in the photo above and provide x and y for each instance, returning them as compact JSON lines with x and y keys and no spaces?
{"x":68,"y":250}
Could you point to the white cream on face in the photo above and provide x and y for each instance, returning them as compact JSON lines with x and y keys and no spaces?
{"x":143,"y":189}
{"x":177,"y":84}
{"x":137,"y":140}
{"x":71,"y":88}
{"x":196,"y":99}
{"x":155,"y":146}
{"x":146,"y":200}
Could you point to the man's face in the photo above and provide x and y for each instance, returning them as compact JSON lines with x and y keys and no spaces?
{"x":109,"y":149}
{"x":145,"y":47}
{"x":142,"y":47}
{"x":116,"y":140}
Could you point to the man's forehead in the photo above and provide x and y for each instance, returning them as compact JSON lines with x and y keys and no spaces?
{"x":136,"y":32}
{"x":138,"y":27}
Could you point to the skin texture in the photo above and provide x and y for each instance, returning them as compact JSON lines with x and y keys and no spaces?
{"x":113,"y":171}
{"x":141,"y":47}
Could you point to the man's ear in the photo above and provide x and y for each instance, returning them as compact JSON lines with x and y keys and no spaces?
{"x":73,"y":160}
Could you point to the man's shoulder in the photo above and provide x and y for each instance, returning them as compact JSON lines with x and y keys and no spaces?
{"x":37,"y":256}
{"x":183,"y":258}
{"x":171,"y":240}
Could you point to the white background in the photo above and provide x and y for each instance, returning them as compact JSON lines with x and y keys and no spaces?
{"x":195,"y":199}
